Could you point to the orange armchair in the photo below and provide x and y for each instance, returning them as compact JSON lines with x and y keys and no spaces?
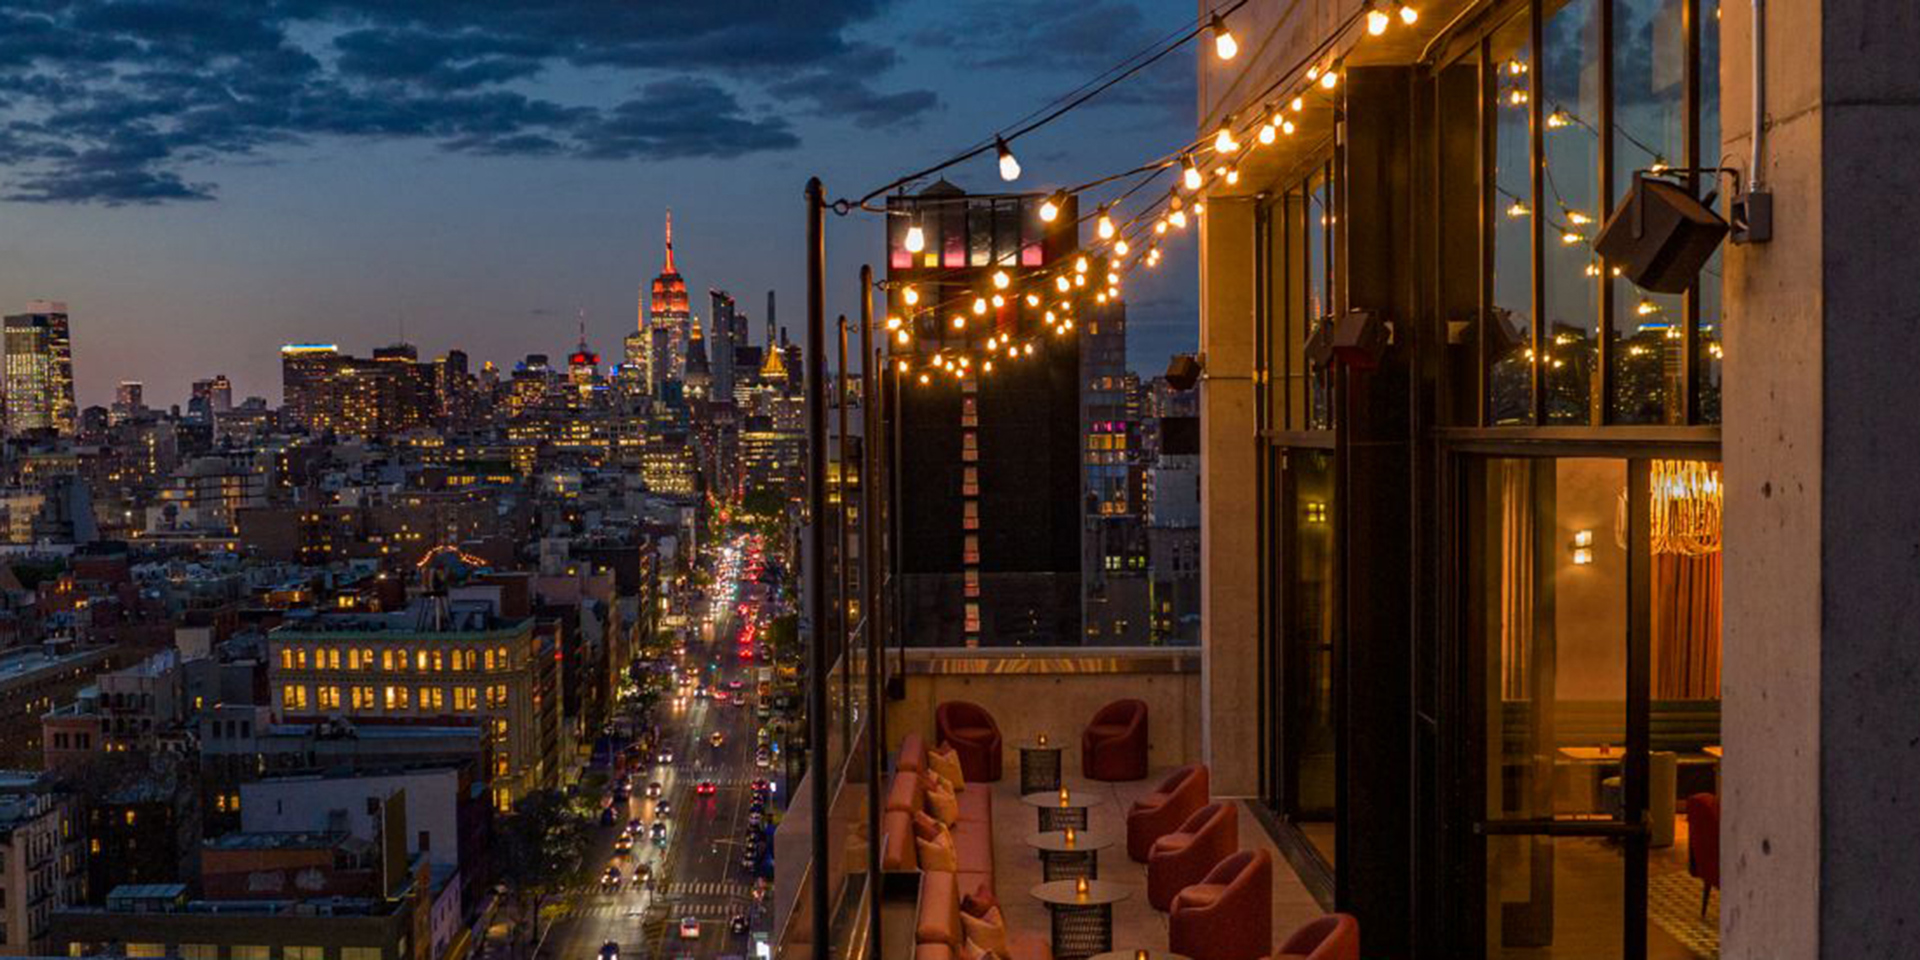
{"x":1165,"y":809}
{"x":1182,"y":858}
{"x":1114,"y":746}
{"x":1229,"y":914}
{"x":1335,"y":936}
{"x":1703,"y":844}
{"x":974,"y":735}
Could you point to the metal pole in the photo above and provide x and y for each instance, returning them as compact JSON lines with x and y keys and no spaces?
{"x":869,"y":605}
{"x":897,"y":684}
{"x":842,"y":536}
{"x":821,"y":935}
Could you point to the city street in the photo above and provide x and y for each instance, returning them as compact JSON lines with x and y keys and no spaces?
{"x":698,"y":875}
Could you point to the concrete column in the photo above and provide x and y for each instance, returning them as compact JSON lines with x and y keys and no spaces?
{"x":1229,"y":590}
{"x":1822,"y":579}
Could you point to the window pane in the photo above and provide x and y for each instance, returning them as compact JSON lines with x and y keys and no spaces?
{"x":1650,"y":67}
{"x":1569,"y":213}
{"x":1319,"y":302}
{"x":1510,"y":331}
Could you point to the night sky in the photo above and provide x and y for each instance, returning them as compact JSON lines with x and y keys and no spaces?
{"x":205,"y":180}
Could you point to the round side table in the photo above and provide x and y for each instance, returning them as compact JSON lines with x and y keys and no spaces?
{"x":1060,"y":860}
{"x":1055,"y":815}
{"x":1082,"y":922}
{"x":1039,"y":765}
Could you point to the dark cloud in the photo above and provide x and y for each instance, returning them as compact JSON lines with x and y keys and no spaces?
{"x":107,"y":100}
{"x":1074,"y":41}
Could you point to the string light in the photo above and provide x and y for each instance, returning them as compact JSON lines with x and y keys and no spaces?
{"x":986,"y":366}
{"x":999,"y":301}
{"x":1000,"y":279}
{"x":1313,"y":76}
{"x":1062,"y":284}
{"x":1079,"y":279}
{"x":1233,"y":177}
{"x":1178,"y":218}
{"x":1160,"y":225}
{"x":916,"y":239}
{"x":1286,"y":127}
{"x":910,"y":296}
{"x":1050,"y":207}
{"x":902,"y":366}
{"x":1120,"y":247}
{"x":902,"y":338}
{"x":923,"y":380}
{"x":1519,"y":208}
{"x":1266,"y":134}
{"x":1223,"y":141}
{"x":1080,"y":265}
{"x":1517,"y":67}
{"x":1029,"y":350}
{"x":1378,"y":21}
{"x":959,"y":322}
{"x":1300,"y":103}
{"x":1331,"y":78}
{"x":1224,"y":46}
{"x":1033,"y":299}
{"x":979,"y":305}
{"x":1408,"y":15}
{"x":1009,"y":167}
{"x":1577,"y":218}
{"x":1189,"y":174}
{"x":1518,"y":97}
{"x":1569,"y":238}
{"x":1104,"y":226}
{"x":893,"y":323}
{"x":1558,"y":119}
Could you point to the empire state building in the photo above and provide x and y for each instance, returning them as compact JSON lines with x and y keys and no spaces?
{"x":664,"y":324}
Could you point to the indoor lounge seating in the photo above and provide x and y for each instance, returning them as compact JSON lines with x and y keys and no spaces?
{"x":1182,"y":858}
{"x":1703,"y":844}
{"x":1228,"y":915}
{"x":1165,"y":809}
{"x":970,"y":729}
{"x":1114,"y":746}
{"x":940,"y":932}
{"x":1335,"y":936}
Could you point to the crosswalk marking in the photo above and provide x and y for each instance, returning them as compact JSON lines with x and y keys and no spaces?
{"x":706,"y":888}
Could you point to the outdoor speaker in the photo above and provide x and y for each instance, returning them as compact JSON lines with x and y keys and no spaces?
{"x":1320,"y":343}
{"x":1360,"y":338}
{"x":1183,"y":371}
{"x":1660,"y":237}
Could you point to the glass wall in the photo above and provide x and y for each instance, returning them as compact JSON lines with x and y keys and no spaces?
{"x":1579,"y":95}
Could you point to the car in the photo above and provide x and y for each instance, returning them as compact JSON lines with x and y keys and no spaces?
{"x":738,"y":924}
{"x":643,"y":874}
{"x":705,"y":788}
{"x":747,"y":857}
{"x":659,"y":830}
{"x":635,"y":825}
{"x":623,"y":846}
{"x":718,"y":738}
{"x":689,"y":928}
{"x":611,"y":879}
{"x":754,"y":817}
{"x":654,"y":790}
{"x":662,"y":808}
{"x":757,"y":806}
{"x":610,"y":951}
{"x":762,"y":787}
{"x":735,"y":684}
{"x":665,"y":756}
{"x":763,"y":758}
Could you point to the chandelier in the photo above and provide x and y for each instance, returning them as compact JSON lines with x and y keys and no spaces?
{"x":1685,"y":515}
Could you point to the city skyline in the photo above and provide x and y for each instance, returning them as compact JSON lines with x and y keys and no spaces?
{"x":205,"y":250}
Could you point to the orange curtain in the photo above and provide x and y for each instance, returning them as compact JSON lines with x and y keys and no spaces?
{"x":1515,"y":478}
{"x":1686,"y":627}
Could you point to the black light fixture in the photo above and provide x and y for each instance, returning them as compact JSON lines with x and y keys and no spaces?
{"x":1357,"y":338}
{"x":1183,"y":371}
{"x":1660,"y":235}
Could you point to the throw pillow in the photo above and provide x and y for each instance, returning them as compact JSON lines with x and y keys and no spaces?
{"x":925,"y":827}
{"x":944,"y":805}
{"x":989,"y":932}
{"x":979,"y":901}
{"x":938,"y":854}
{"x":945,"y":762}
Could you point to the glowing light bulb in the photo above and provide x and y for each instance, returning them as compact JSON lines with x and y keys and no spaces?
{"x":1646,"y":307}
{"x":1009,"y":167}
{"x":1000,"y":279}
{"x":1100,"y":297}
{"x":1266,"y":134}
{"x":1112,"y":278}
{"x":1062,"y":284}
{"x":1577,"y":218}
{"x":923,"y":379}
{"x":916,"y":239}
{"x":1330,"y":79}
{"x":1104,"y":226}
{"x":1079,"y":279}
{"x":1080,"y":265}
{"x":959,"y":322}
{"x":1408,"y":15}
{"x":1518,"y":98}
{"x":1313,"y":75}
{"x":1224,"y":45}
{"x":1516,"y":67}
{"x":902,"y":338}
{"x":1050,"y":207}
{"x":910,"y":295}
{"x":893,"y":323}
{"x":1160,"y":225}
{"x":1377,"y":21}
{"x":902,"y":367}
{"x":1298,"y":104}
{"x":999,"y":301}
{"x":1518,"y":209}
{"x":986,"y":366}
{"x":1223,"y":141}
{"x":1233,"y":177}
{"x":1558,"y":119}
{"x":1013,"y":352}
{"x":1593,"y":269}
{"x":1286,"y":127}
{"x":1029,"y":349}
{"x":1120,"y":247}
{"x":1033,"y":299}
{"x":979,"y":305}
{"x":1178,"y":218}
{"x":1569,"y":238}
{"x":1049,"y":318}
{"x":1189,"y":174}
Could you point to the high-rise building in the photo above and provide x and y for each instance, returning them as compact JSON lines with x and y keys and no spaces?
{"x":210,"y":397}
{"x":989,"y":534}
{"x":324,"y":389}
{"x":667,"y":318}
{"x":129,"y":398}
{"x":38,"y":378}
{"x":720,"y":353}
{"x":1113,"y":567}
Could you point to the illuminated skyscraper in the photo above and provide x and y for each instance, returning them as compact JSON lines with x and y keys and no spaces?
{"x":39,"y":369}
{"x":666,"y":320}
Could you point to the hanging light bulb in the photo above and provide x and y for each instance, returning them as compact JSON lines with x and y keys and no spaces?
{"x":1050,"y":207}
{"x":1029,"y":350}
{"x":1313,"y":76}
{"x":1113,"y":279}
{"x":1104,"y":225}
{"x":1647,"y":307}
{"x":1009,"y":167}
{"x":1033,"y":299}
{"x":902,"y":337}
{"x":1266,"y":134}
{"x":1569,"y":238}
{"x":1068,"y":325}
{"x":979,"y":305}
{"x":1080,"y":265}
{"x":1079,"y":279}
{"x":902,"y":367}
{"x":1558,"y":119}
{"x":959,"y":322}
{"x":1518,"y":208}
{"x":910,"y":295}
{"x":1160,"y":225}
{"x":1120,"y":247}
{"x":1516,"y":67}
{"x":1000,"y":279}
{"x":1049,"y":318}
{"x":1233,"y":177}
{"x":1062,"y":284}
{"x":1223,"y":141}
{"x":1178,"y":218}
{"x":893,"y":323}
{"x":1518,"y":97}
{"x":1578,"y":219}
{"x":1224,"y":45}
{"x":1100,"y":297}
{"x":1378,"y":21}
{"x":1299,"y":103}
{"x":1408,"y":15}
{"x":992,"y":342}
{"x":1199,"y":207}
{"x":1189,"y":174}
{"x":999,"y":301}
{"x":986,"y":366}
{"x":916,"y":239}
{"x":1331,"y":78}
{"x":923,"y":380}
{"x":1286,"y":127}
{"x":1013,"y":352}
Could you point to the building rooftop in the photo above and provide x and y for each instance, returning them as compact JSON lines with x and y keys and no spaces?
{"x":288,"y":840}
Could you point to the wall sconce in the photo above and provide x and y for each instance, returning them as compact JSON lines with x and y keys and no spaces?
{"x":1316,"y":512}
{"x":1583,"y":547}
